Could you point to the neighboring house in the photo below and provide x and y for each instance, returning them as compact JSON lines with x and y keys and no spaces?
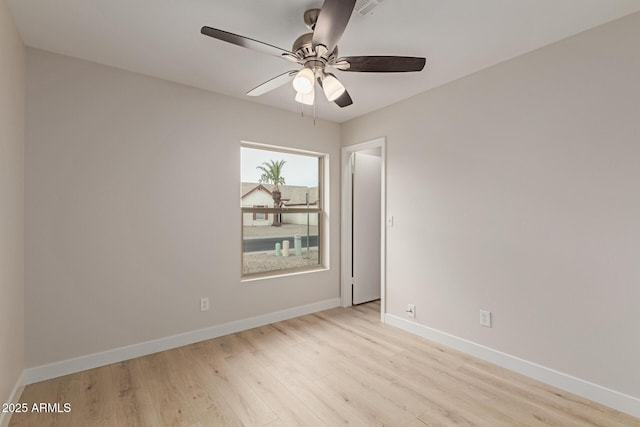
{"x":259,"y":195}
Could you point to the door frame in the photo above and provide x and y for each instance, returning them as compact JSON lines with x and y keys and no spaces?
{"x":347,"y":228}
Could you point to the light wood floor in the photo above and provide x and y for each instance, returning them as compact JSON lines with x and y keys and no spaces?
{"x":340,"y":366}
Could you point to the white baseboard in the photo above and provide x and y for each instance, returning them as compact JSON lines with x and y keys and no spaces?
{"x":611,"y":398}
{"x":5,"y":417}
{"x":90,"y":361}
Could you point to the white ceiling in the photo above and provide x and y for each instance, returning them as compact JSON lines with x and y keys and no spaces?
{"x":161,"y":38}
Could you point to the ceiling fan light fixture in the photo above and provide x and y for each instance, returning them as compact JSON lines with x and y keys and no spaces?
{"x":303,"y":81}
{"x":306,"y":98}
{"x":332,"y":87}
{"x":316,"y":50}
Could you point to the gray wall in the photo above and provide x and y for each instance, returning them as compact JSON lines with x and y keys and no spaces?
{"x":517,"y":190}
{"x":133,"y":208}
{"x":12,"y":123}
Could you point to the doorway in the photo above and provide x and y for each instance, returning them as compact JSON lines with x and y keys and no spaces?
{"x":363,"y":223}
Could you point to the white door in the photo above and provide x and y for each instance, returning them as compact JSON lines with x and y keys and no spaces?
{"x":367,"y":175}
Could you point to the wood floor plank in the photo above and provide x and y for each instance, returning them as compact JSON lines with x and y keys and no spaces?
{"x":328,"y":408}
{"x":416,"y":422}
{"x":337,"y":367}
{"x":205,"y":403}
{"x":132,"y":398}
{"x":411,"y":389}
{"x":248,"y":406}
{"x":95,"y":405}
{"x":163,"y":392}
{"x":549,"y":399}
{"x":375,"y":405}
{"x":290,"y":409}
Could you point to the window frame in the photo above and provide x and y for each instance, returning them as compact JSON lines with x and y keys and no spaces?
{"x":255,"y":214}
{"x":319,"y":210}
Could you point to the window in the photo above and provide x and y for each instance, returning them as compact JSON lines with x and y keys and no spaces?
{"x":260,"y":216}
{"x":281,"y":208}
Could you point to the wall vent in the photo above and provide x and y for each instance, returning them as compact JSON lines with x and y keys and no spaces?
{"x":366,"y":7}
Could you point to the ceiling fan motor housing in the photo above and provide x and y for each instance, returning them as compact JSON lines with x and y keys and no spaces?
{"x":311,"y":17}
{"x":310,"y":57}
{"x":302,"y":46}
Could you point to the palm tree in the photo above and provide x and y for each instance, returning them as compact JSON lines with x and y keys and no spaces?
{"x":272,"y":174}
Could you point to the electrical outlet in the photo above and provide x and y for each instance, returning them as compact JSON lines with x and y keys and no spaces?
{"x":411,"y":310}
{"x":204,"y":304}
{"x":485,"y":318}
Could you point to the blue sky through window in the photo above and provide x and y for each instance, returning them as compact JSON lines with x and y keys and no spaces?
{"x":299,"y":170}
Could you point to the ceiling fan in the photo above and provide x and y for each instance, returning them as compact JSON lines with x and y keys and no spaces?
{"x":318,"y":50}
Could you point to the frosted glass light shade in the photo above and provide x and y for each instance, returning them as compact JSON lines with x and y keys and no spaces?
{"x":303,"y":81}
{"x":307,"y":98}
{"x":332,"y":87}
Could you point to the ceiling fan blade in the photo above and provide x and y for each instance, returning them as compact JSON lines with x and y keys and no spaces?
{"x":246,"y":42}
{"x":343,"y":100}
{"x":272,"y":84}
{"x":332,"y":21}
{"x":381,"y":64}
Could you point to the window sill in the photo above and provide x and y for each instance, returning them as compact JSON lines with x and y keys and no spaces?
{"x":286,"y":273}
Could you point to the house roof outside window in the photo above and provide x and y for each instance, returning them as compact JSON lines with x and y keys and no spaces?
{"x":292,"y":195}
